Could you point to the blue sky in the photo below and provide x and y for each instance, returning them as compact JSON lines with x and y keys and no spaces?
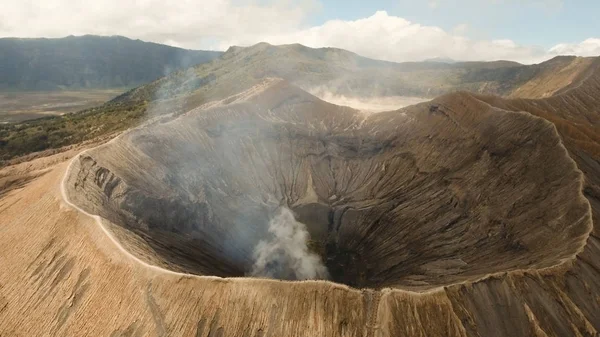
{"x":526,"y":31}
{"x":543,"y":23}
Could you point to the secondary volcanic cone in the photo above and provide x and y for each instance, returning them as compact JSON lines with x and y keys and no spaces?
{"x":439,"y":193}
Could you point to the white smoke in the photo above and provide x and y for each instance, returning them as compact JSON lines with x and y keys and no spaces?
{"x":367,"y":104}
{"x":286,"y":255}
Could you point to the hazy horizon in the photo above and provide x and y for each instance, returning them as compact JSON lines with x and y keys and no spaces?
{"x":435,"y":59}
{"x":399,"y":31}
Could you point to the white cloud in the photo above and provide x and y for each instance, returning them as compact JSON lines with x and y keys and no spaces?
{"x":218,"y":24}
{"x":589,"y":47}
{"x":460,"y":29}
{"x":393,"y":38}
{"x":189,"y":23}
{"x":549,"y":6}
{"x":433,"y":4}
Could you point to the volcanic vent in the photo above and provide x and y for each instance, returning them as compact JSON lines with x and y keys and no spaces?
{"x":433,"y":194}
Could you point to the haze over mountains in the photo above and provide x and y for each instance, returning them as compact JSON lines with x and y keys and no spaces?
{"x":333,"y":169}
{"x":85,"y":62}
{"x":328,"y":73}
{"x":90,"y":61}
{"x":340,"y":72}
{"x":474,"y":214}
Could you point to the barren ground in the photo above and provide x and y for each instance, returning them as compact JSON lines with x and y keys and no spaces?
{"x":20,"y":106}
{"x":62,"y":275}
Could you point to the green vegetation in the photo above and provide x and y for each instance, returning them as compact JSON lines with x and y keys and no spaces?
{"x":75,"y":63}
{"x":57,"y":131}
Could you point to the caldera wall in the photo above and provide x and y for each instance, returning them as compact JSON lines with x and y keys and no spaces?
{"x":435,"y":194}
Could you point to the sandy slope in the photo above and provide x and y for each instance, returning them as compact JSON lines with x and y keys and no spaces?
{"x":65,"y":277}
{"x":62,"y":275}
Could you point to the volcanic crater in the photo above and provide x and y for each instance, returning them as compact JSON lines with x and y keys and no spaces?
{"x":434,"y":194}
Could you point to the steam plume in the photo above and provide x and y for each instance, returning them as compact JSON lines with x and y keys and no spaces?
{"x":286,"y":255}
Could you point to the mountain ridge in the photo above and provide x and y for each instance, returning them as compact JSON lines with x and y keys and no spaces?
{"x":341,"y":72}
{"x":89,"y":61}
{"x":318,"y":71}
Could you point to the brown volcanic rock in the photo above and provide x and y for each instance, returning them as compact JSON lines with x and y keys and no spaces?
{"x":455,"y":156}
{"x":477,"y":209}
{"x":436,"y":194}
{"x":554,"y":76}
{"x":575,"y":112}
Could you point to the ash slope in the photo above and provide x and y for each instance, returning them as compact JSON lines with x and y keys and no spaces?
{"x":77,"y":283}
{"x":431,"y":195}
{"x":557,"y":301}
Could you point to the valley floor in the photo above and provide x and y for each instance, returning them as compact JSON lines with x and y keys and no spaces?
{"x":20,"y":106}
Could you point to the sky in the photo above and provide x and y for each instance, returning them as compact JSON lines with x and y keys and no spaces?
{"x":527,"y":31}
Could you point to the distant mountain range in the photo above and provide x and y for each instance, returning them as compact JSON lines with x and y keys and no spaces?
{"x":78,"y":62}
{"x":335,"y":71}
{"x":318,"y":71}
{"x":441,"y":60}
